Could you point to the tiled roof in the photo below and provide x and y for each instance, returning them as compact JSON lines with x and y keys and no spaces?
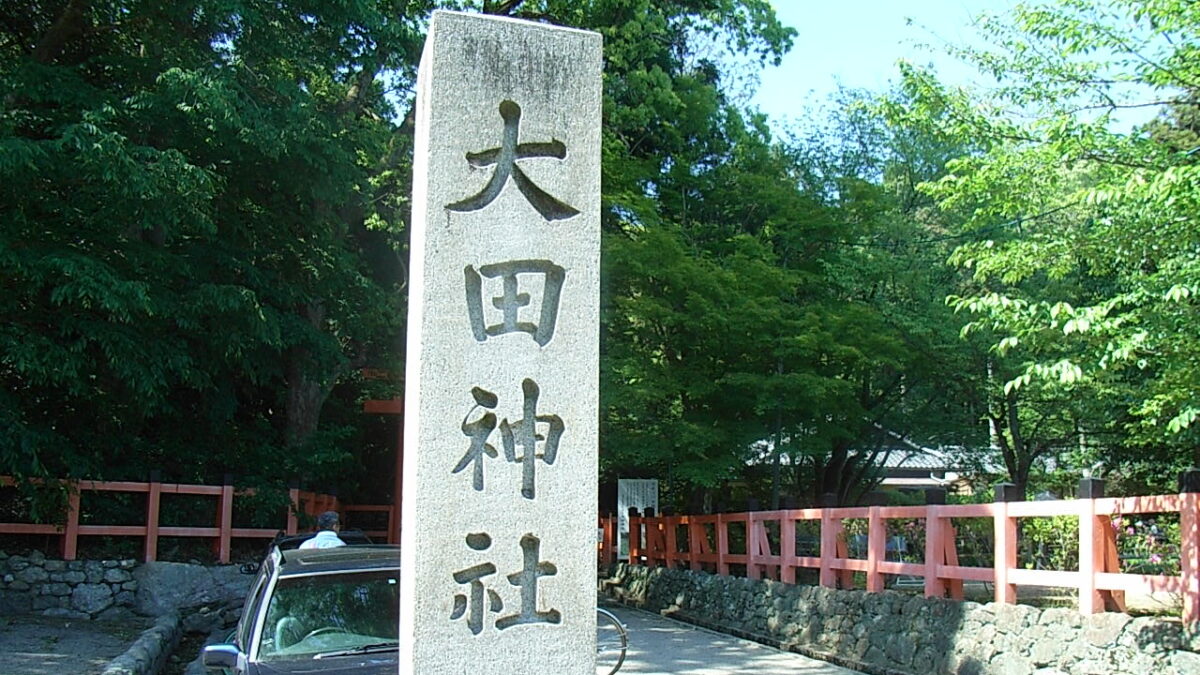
{"x":908,"y":458}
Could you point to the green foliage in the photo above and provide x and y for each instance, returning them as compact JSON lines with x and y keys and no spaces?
{"x":1079,"y":236}
{"x":1148,"y":545}
{"x":205,"y":211}
{"x":188,"y":246}
{"x":1049,"y":543}
{"x":203,"y":243}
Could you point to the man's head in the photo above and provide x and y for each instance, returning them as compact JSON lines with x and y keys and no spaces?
{"x":328,"y":521}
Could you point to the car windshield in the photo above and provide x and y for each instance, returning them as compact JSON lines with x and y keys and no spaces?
{"x":311,"y":615}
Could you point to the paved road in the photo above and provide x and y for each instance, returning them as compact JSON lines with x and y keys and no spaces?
{"x":666,"y":647}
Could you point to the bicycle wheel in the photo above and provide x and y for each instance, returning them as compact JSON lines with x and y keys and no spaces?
{"x":611,"y":642}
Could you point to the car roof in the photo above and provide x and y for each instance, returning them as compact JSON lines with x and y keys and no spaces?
{"x":339,"y":559}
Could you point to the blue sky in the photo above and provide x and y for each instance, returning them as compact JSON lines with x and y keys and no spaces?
{"x":857,"y":43}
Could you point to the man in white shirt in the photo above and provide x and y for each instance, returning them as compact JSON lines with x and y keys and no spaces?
{"x":326,"y":537}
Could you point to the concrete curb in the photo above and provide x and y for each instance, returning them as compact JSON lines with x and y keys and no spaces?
{"x":148,"y":654}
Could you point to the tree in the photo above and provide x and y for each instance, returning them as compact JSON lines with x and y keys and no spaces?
{"x":196,"y":251}
{"x":1083,"y":249}
{"x":208,"y":204}
{"x":685,"y":280}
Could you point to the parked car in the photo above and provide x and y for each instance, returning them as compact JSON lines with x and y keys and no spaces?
{"x":333,"y":610}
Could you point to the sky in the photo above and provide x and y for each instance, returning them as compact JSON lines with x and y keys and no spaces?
{"x":857,"y":43}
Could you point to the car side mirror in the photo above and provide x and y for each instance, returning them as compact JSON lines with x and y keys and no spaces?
{"x":221,"y":656}
{"x":250,"y":568}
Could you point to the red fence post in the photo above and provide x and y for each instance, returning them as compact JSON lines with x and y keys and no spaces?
{"x":950,"y":536}
{"x":1005,"y":528}
{"x":753,"y":546}
{"x":787,"y":548}
{"x":653,"y":539}
{"x":829,"y":534}
{"x":225,"y":520}
{"x":935,"y":551}
{"x":1091,"y":546}
{"x":695,"y":537}
{"x":722,"y":545}
{"x":876,"y":548}
{"x":70,"y":540}
{"x":671,"y":554}
{"x":610,"y":540}
{"x":153,"y":501}
{"x":635,"y":537}
{"x":1189,"y":545}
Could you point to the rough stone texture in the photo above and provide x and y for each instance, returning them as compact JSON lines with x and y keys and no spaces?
{"x":150,"y":651}
{"x":107,"y":589}
{"x":895,"y":633}
{"x":503,"y":329}
{"x":165,"y":587}
{"x":94,"y":571}
{"x":115,"y":613}
{"x":74,"y":577}
{"x":15,"y":602}
{"x":65,"y":613}
{"x":33,"y":574}
{"x":204,"y":621}
{"x":41,"y":602}
{"x":116,"y":576}
{"x":91,"y":598}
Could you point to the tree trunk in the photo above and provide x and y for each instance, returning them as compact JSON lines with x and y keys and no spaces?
{"x":305,"y":393}
{"x":69,"y":26}
{"x":305,"y":398}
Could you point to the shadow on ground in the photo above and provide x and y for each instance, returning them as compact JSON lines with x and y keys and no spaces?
{"x":43,"y":645}
{"x":662,"y":646}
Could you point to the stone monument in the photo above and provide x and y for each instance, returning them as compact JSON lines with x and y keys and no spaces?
{"x":498,"y":571}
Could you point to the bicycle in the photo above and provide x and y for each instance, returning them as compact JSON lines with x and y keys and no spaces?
{"x":612,"y":639}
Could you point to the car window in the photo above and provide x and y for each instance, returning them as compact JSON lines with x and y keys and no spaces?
{"x":309,"y":615}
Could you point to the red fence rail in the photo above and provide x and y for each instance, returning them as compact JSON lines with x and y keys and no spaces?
{"x":220,"y":530}
{"x":656,"y":540}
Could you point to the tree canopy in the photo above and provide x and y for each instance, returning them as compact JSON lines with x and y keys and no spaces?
{"x":205,"y":244}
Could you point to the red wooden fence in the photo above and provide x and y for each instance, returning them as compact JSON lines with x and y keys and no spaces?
{"x":220,"y":530}
{"x":655,"y":541}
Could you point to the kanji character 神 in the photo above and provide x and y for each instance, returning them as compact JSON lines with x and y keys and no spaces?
{"x":522,"y":433}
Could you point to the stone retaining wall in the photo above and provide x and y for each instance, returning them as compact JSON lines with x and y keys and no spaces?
{"x":894,"y":633}
{"x":206,"y":597}
{"x":92,"y":589}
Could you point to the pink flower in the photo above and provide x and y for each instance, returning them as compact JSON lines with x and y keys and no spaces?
{"x":1129,"y":530}
{"x":1155,"y":558}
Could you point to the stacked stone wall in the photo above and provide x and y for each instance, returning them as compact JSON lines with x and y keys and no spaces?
{"x":91,"y":589}
{"x":895,"y":633}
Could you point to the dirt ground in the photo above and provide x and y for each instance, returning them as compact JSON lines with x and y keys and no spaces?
{"x":42,"y":645}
